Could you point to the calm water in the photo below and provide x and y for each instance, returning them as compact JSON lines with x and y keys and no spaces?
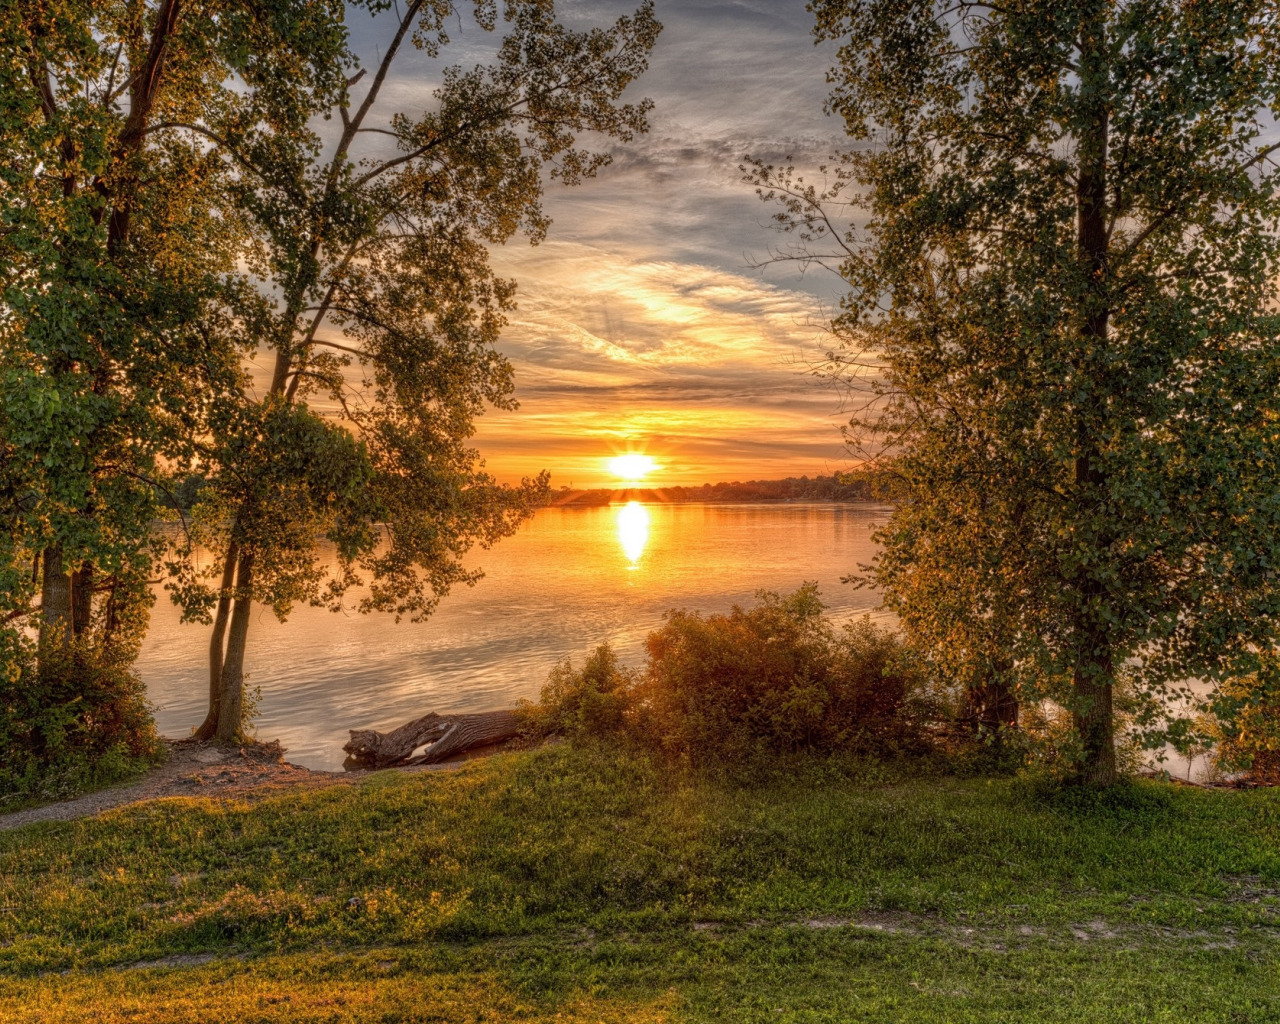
{"x":569,"y":580}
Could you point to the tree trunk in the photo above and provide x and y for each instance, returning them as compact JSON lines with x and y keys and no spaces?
{"x":55,"y":600}
{"x":231,"y":684}
{"x":443,"y":735}
{"x":81,"y":598}
{"x":995,"y":707}
{"x":209,"y":727}
{"x":1093,"y":673}
{"x":144,"y":89}
{"x":1094,"y":719}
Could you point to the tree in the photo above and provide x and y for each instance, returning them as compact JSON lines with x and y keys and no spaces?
{"x":116,"y":247}
{"x":379,"y":264}
{"x":1066,"y":277}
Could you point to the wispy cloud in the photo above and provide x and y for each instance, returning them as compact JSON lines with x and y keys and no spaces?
{"x":641,"y":325}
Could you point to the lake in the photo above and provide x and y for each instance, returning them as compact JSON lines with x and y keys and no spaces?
{"x":570,"y":579}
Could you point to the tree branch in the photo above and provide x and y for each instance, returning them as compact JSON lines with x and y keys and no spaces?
{"x":371,"y":96}
{"x":109,"y":94}
{"x":340,"y":348}
{"x":18,"y":613}
{"x":1164,"y":216}
{"x":210,"y":135}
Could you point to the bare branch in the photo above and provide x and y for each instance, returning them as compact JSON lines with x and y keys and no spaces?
{"x":340,"y":348}
{"x":383,"y":68}
{"x":108,"y":95}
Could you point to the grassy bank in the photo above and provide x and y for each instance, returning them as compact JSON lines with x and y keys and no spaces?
{"x":591,"y":885}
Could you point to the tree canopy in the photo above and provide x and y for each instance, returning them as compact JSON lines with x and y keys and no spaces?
{"x":193,"y":187}
{"x":1063,"y":263}
{"x":118,"y":248}
{"x":378,"y":312}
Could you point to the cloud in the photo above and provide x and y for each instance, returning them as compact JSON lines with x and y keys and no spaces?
{"x":641,"y":323}
{"x":707,"y":369}
{"x":727,"y":80}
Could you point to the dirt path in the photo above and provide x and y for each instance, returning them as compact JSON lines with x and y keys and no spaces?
{"x":193,"y":769}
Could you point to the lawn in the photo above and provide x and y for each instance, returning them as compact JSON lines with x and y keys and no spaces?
{"x":589,"y":884}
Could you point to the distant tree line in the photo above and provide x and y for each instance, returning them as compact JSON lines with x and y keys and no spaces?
{"x":870,"y":485}
{"x":879,"y":484}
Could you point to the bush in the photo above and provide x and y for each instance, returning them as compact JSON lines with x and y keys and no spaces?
{"x":74,"y":722}
{"x":591,"y":701}
{"x":773,"y":679}
{"x":777,"y":677}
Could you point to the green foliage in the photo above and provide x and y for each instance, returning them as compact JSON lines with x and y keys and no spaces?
{"x":384,"y":263}
{"x":298,"y":480}
{"x":592,"y":701}
{"x":181,"y":493}
{"x":250,"y":708}
{"x":774,"y":679}
{"x":120,"y":234}
{"x":121,"y":306}
{"x":1062,"y":305}
{"x":384,"y":307}
{"x":1241,"y":728}
{"x":1046,"y":749}
{"x":76,"y":721}
{"x":777,"y":677}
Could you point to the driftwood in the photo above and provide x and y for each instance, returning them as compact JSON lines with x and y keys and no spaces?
{"x":442,"y":735}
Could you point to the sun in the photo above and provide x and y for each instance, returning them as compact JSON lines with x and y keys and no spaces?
{"x":631,"y":468}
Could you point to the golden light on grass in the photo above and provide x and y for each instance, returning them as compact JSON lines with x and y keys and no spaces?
{"x":632,"y":467}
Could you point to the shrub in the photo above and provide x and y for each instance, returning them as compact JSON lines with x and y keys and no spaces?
{"x":777,"y":677}
{"x":772,"y":679}
{"x":590,"y":701}
{"x":76,"y":721}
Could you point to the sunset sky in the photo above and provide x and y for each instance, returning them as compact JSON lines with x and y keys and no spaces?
{"x":641,"y":326}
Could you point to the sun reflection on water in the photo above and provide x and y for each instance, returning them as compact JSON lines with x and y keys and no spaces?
{"x":633,"y":530}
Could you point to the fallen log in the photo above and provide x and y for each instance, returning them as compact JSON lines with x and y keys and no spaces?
{"x":442,"y":735}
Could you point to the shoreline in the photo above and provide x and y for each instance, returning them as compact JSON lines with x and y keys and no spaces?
{"x":192,"y":768}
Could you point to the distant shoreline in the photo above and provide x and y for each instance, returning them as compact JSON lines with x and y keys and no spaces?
{"x":875,"y":487}
{"x":851,"y":488}
{"x":584,"y":499}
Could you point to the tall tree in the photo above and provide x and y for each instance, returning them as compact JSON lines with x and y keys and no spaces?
{"x":1067,"y":272}
{"x":116,"y":241}
{"x":385,"y":307}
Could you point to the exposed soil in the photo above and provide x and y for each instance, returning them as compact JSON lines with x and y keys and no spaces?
{"x":193,"y":769}
{"x":1002,"y":937}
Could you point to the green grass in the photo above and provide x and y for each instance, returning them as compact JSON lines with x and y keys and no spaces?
{"x":589,"y":884}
